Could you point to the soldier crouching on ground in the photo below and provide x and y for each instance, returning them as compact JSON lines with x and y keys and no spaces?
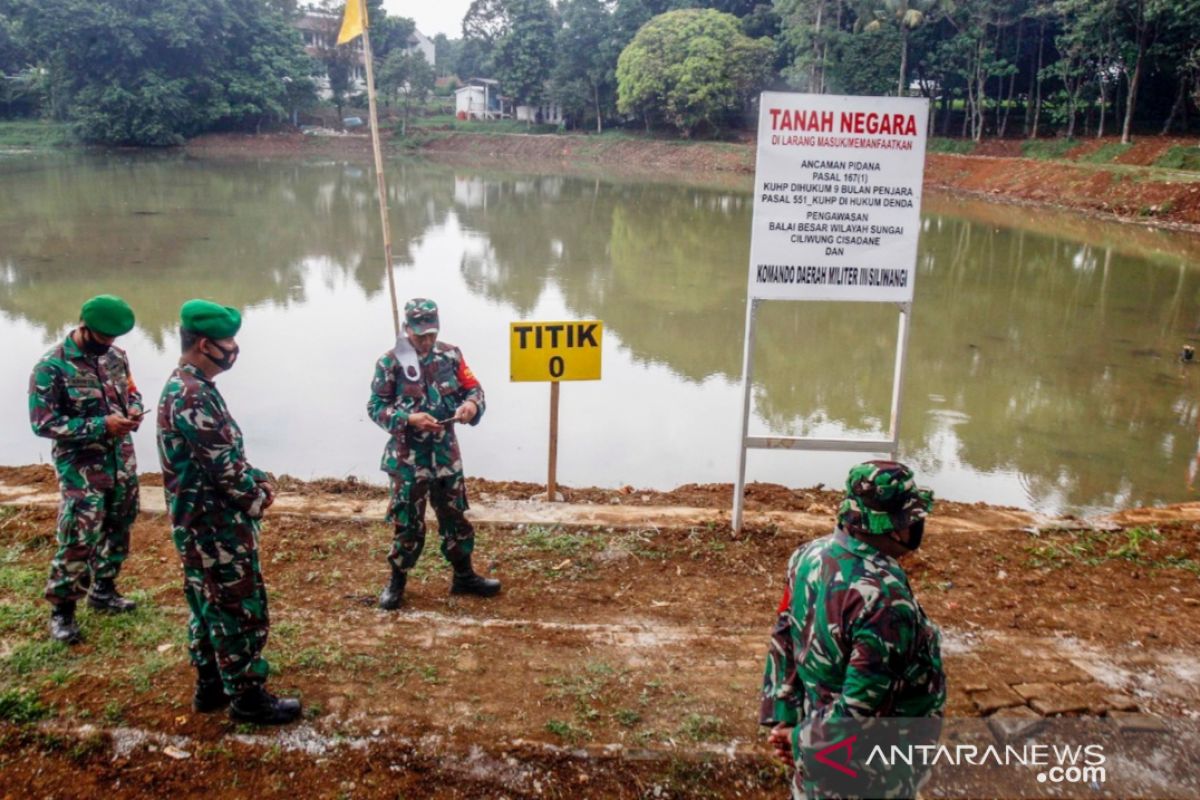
{"x":852,"y":646}
{"x":216,"y":501}
{"x":421,"y":389}
{"x":82,"y":395}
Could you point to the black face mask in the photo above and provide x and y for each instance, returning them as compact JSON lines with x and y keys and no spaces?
{"x":916,"y":531}
{"x":93,"y":347}
{"x":228,"y":357}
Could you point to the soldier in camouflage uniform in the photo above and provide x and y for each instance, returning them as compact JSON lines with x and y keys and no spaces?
{"x":82,"y":395}
{"x":851,"y":644}
{"x":421,"y":389}
{"x":216,"y":501}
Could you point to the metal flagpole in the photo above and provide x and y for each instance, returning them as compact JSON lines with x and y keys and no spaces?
{"x":383,"y":203}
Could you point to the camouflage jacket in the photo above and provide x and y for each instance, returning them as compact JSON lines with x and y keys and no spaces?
{"x":205,"y":473}
{"x":70,"y":394}
{"x":445,"y":383}
{"x":850,"y":641}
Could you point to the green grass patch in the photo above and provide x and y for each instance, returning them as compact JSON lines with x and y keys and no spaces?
{"x":22,"y":706}
{"x":958,"y":147}
{"x":702,"y":728}
{"x":41,"y":655}
{"x":144,"y":629}
{"x":34,"y":133}
{"x":1131,"y":548}
{"x":1180,"y":157}
{"x":554,"y":540}
{"x":567,"y":731}
{"x":143,"y":673}
{"x":87,"y":747}
{"x":317,"y":658}
{"x":1093,"y":548}
{"x":1047,"y":149}
{"x":23,"y":581}
{"x":113,"y":713}
{"x":627,"y":717}
{"x":586,"y":692}
{"x":61,"y":676}
{"x":1106,"y":153}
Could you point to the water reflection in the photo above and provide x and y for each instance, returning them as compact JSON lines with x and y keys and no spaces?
{"x":1041,"y":371}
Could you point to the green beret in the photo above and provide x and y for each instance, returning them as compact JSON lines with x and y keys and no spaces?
{"x":107,"y":315}
{"x":210,"y":319}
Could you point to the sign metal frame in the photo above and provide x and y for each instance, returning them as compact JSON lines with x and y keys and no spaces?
{"x":824,"y":122}
{"x":889,"y":445}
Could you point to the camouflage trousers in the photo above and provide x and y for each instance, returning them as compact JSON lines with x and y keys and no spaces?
{"x":93,"y":537}
{"x":410,"y":491}
{"x":225,"y":593}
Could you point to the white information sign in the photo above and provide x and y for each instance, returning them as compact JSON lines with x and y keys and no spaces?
{"x":837,"y":197}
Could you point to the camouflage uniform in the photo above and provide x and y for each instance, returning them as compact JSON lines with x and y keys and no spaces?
{"x":214,"y":499}
{"x":70,"y":394}
{"x":425,"y":465}
{"x":850,"y":643}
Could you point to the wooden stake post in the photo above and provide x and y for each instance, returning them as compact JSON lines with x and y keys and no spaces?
{"x":554,"y":352}
{"x":552,"y":473}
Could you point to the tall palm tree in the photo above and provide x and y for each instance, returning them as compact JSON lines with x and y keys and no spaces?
{"x":907,"y":15}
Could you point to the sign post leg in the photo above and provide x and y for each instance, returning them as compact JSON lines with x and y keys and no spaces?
{"x":898,"y":378}
{"x":552,"y":480}
{"x":747,"y":382}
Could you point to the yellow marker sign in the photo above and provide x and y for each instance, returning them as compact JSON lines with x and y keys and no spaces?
{"x":555,"y":351}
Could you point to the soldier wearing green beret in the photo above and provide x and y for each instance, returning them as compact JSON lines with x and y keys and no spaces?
{"x":216,"y":501}
{"x":83,"y":397}
{"x":853,"y":653}
{"x":422,"y":388}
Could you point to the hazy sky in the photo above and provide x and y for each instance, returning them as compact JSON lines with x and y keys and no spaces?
{"x":432,"y":16}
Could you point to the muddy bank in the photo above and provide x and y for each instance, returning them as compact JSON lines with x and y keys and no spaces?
{"x":1128,"y":190}
{"x":515,"y":502}
{"x":1140,"y":195}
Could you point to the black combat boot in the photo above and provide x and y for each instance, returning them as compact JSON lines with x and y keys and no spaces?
{"x":467,"y":582}
{"x":210,"y":694}
{"x":393,"y":595}
{"x":105,"y":598}
{"x":62,"y":623}
{"x":259,"y":706}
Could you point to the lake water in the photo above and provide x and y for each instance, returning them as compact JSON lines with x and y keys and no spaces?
{"x":1043,"y":372}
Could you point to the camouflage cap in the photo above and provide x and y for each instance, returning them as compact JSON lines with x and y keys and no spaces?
{"x":107,"y":315}
{"x":421,"y":316}
{"x":882,"y":497}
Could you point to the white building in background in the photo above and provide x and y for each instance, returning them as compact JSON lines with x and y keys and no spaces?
{"x":545,"y":114}
{"x":319,"y":29}
{"x":419,"y":42}
{"x":480,"y":98}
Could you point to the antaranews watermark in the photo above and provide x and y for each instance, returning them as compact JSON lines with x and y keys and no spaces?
{"x":1120,"y":756}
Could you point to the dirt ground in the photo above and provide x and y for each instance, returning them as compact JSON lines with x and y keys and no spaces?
{"x":621,"y":660}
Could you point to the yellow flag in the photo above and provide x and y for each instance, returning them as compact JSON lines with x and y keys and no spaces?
{"x":353,"y":22}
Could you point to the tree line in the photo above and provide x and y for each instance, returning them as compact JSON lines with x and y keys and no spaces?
{"x":990,"y":67}
{"x":132,"y":72}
